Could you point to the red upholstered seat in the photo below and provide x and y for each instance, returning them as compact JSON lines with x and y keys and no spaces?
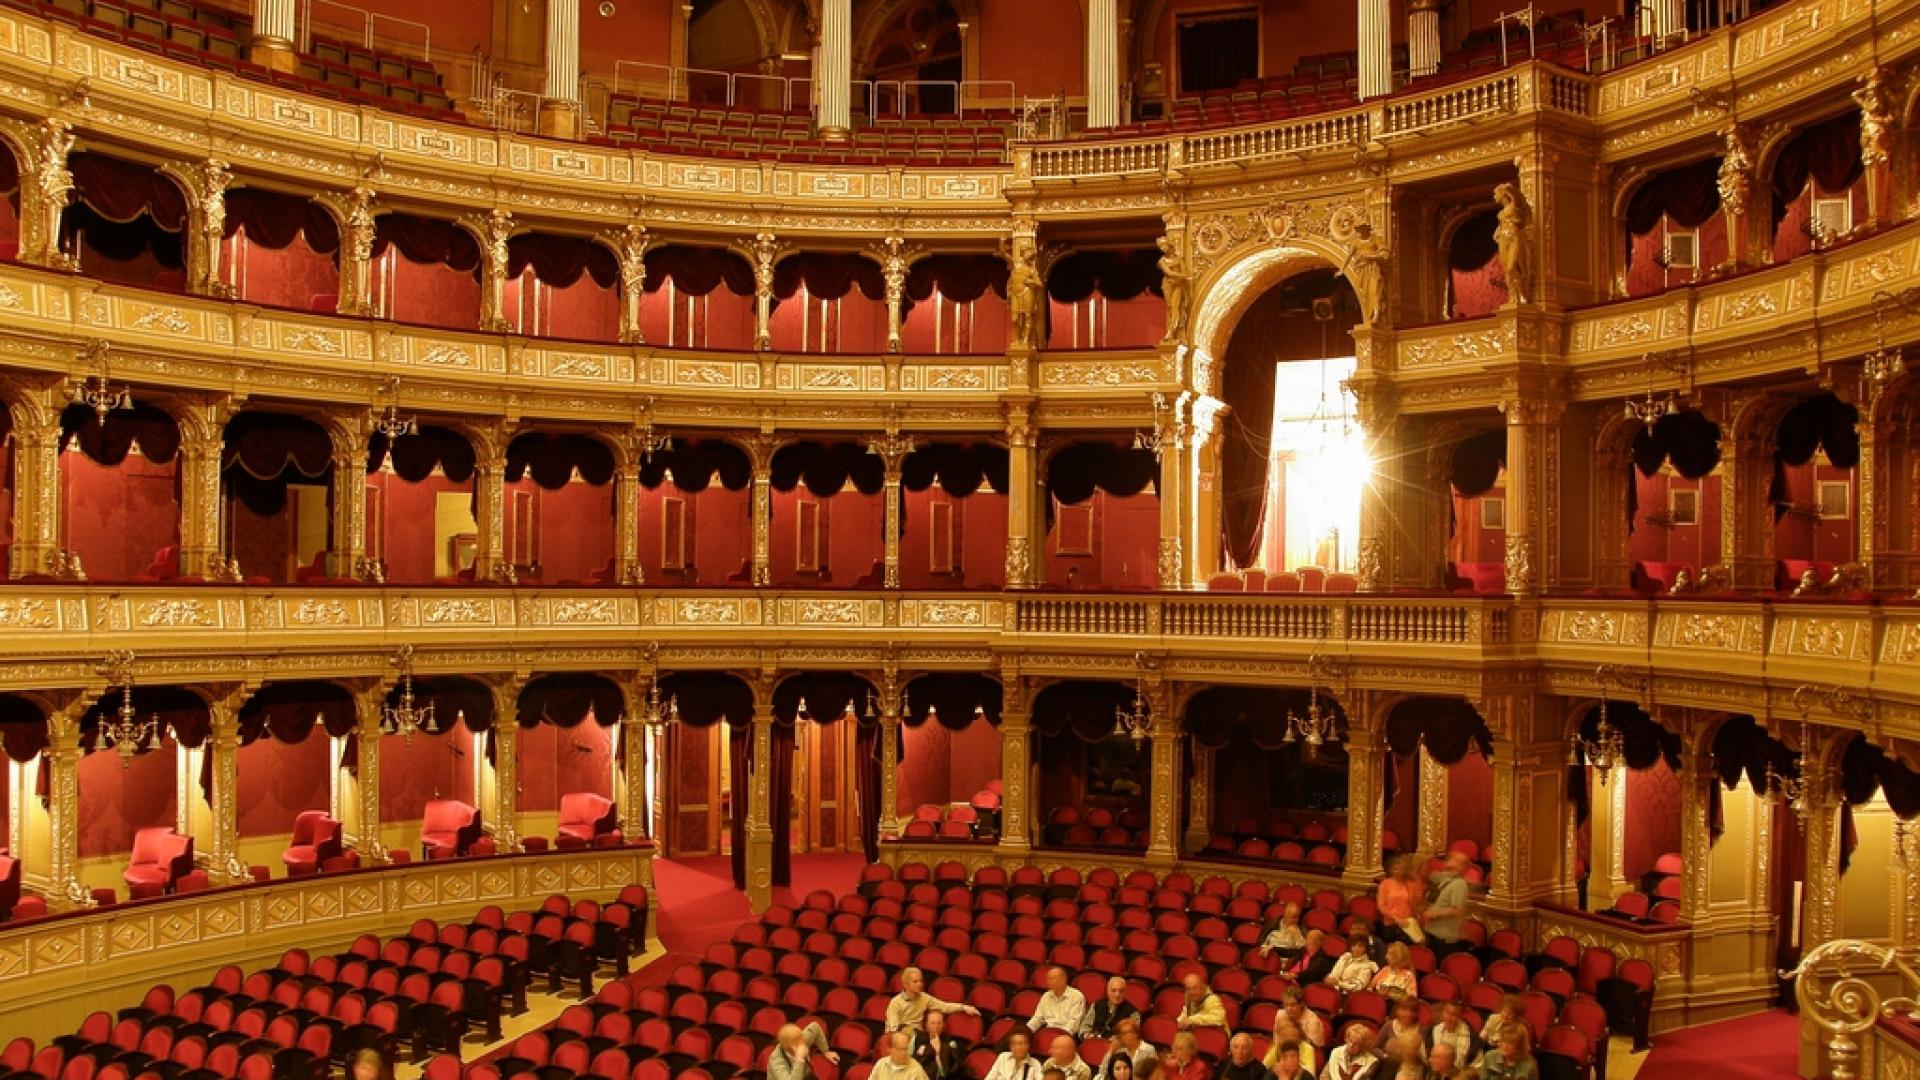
{"x":448,"y":828}
{"x":316,"y":839}
{"x":9,"y":891}
{"x":160,"y":857}
{"x":584,"y":818}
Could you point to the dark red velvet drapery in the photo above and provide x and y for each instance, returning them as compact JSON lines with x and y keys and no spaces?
{"x":552,"y":459}
{"x":1116,"y":275}
{"x":866,"y":786}
{"x":828,"y":276}
{"x":428,"y":241}
{"x":959,"y":278}
{"x":288,"y":711}
{"x":693,"y":465}
{"x":740,"y":771}
{"x":1076,"y":472}
{"x":416,"y":456}
{"x":565,"y":699}
{"x":1247,"y":388}
{"x":959,"y":468}
{"x":1827,"y":152}
{"x":1215,"y":714}
{"x":954,"y":699}
{"x":697,"y":271}
{"x":1084,"y":708}
{"x":23,"y":728}
{"x":1448,"y":727}
{"x":273,"y":220}
{"x":109,"y":442}
{"x":827,"y":467}
{"x":454,"y":698}
{"x":121,"y":191}
{"x":560,"y":261}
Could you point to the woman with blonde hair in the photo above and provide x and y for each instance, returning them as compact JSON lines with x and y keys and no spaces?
{"x":367,"y":1064}
{"x":1397,"y":979}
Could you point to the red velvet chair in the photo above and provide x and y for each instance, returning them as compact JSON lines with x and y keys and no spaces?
{"x":160,"y":858}
{"x":165,"y":565}
{"x":9,"y":886}
{"x":448,"y":829}
{"x":316,"y":838}
{"x":584,"y":818}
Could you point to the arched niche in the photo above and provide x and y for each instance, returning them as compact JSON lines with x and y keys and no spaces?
{"x":696,"y":514}
{"x":567,"y":725}
{"x":955,"y":303}
{"x":1274,"y":797}
{"x":426,"y":271}
{"x":828,"y":302}
{"x":126,"y":222}
{"x":1094,"y":784}
{"x":954,"y":516}
{"x":698,"y":298}
{"x":120,"y":491}
{"x":293,"y":757}
{"x":165,"y":783}
{"x":1445,"y":741}
{"x":1103,"y":515}
{"x":1106,"y":299}
{"x":420,"y":522}
{"x":443,"y":761}
{"x":275,"y":480}
{"x":562,"y":286}
{"x":281,"y":250}
{"x":559,"y":508}
{"x":950,"y":747}
{"x":709,"y":754}
{"x":829,"y":516}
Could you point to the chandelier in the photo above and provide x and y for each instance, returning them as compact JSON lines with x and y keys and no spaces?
{"x":1317,"y":727}
{"x":98,"y":393}
{"x":1151,"y":440}
{"x":1879,"y":366}
{"x":403,"y":718}
{"x":388,"y":421}
{"x":1793,"y":787}
{"x":125,"y":731}
{"x":1607,"y":748}
{"x":657,"y":715}
{"x":1135,"y":722}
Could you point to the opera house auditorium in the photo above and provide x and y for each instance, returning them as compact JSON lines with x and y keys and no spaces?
{"x":959,"y":539}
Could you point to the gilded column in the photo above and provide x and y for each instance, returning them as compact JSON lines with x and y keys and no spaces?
{"x":492,"y":231}
{"x":1016,"y":738}
{"x":36,"y":409}
{"x":1170,"y":438}
{"x":760,"y":805}
{"x":893,"y":449}
{"x":1529,"y":779}
{"x":1876,"y":143}
{"x":1735,"y":182}
{"x":1022,"y":493}
{"x":1199,"y":797}
{"x":206,"y":188}
{"x":1423,"y":37}
{"x":560,"y":105}
{"x":369,"y":700}
{"x":489,"y":498}
{"x":893,"y":269}
{"x":1366,"y":787}
{"x":1376,"y":48}
{"x":835,"y":116}
{"x":347,"y":557}
{"x":1607,"y":875}
{"x":636,"y":448}
{"x":1746,"y":529}
{"x":1661,"y":19}
{"x":45,"y":183}
{"x":1163,"y":816}
{"x":354,"y":214}
{"x":223,"y":745}
{"x":635,"y":819}
{"x":202,"y":443}
{"x":1103,"y":64}
{"x":765,"y":252}
{"x":891,"y":705}
{"x":1432,"y":824}
{"x":629,"y":245}
{"x":1872,"y":518}
{"x":1529,"y":414}
{"x":762,"y":448}
{"x":64,"y":890}
{"x":1697,"y":778}
{"x":273,"y":35}
{"x":506,"y":758}
{"x":1820,"y":791}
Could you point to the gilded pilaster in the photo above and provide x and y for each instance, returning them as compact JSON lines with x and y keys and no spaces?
{"x":223,"y":744}
{"x":1170,"y":436}
{"x":1530,"y":414}
{"x":1199,"y":797}
{"x":506,"y":689}
{"x":64,"y":890}
{"x":1023,"y":561}
{"x":1872,"y":516}
{"x":760,"y":805}
{"x":636,"y":818}
{"x":1432,"y":822}
{"x":1375,"y":406}
{"x":1165,"y":737}
{"x":1697,"y":778}
{"x":763,"y":253}
{"x":202,"y":444}
{"x":1016,"y":746}
{"x":630,"y":244}
{"x":347,"y":554}
{"x":1366,"y":785}
{"x":35,"y":407}
{"x":369,"y":699}
{"x":205,"y":185}
{"x":762,"y":448}
{"x":45,"y":183}
{"x":354,"y":214}
{"x":894,"y":255}
{"x":493,"y":231}
{"x":1607,"y":875}
{"x":1747,"y":424}
{"x":892,"y":702}
{"x":893,"y":449}
{"x":489,"y":501}
{"x":1873,"y":95}
{"x":1529,"y":781}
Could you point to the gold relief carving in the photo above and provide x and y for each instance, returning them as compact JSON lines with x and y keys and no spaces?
{"x":705,"y":374}
{"x":588,"y":367}
{"x":1624,"y":330}
{"x":954,"y":379}
{"x":830,"y":379}
{"x":1591,"y":626}
{"x":1752,"y":305}
{"x":584,"y":611}
{"x":443,"y":355}
{"x":1707,"y":632}
{"x":320,"y":341}
{"x":1458,"y":348}
{"x":173,"y":613}
{"x":9,"y":299}
{"x":1821,"y":637}
{"x":26,"y":613}
{"x":168,"y":319}
{"x":1068,"y":374}
{"x":311,"y":612}
{"x":709,"y":611}
{"x":834,"y":612}
{"x":456,"y":611}
{"x":951,"y":613}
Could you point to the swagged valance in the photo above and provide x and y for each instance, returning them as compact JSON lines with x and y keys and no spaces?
{"x":23,"y":728}
{"x":1471,"y":246}
{"x":552,"y":459}
{"x":289,"y":711}
{"x":120,"y":191}
{"x":1689,"y":194}
{"x":273,"y":220}
{"x":1827,"y":152}
{"x":564,"y":699}
{"x":1645,"y":741}
{"x":697,"y":271}
{"x":109,"y":443}
{"x":1448,"y":727}
{"x":827,"y":695}
{"x":1214,"y":714}
{"x":1742,"y":747}
{"x":1475,"y":464}
{"x":959,"y":278}
{"x":705,"y":698}
{"x":1076,"y":472}
{"x":827,"y":467}
{"x":9,"y":176}
{"x":954,"y":700}
{"x":182,"y":714}
{"x":958,"y":468}
{"x":416,"y":456}
{"x":1865,"y":769}
{"x":1083,"y":708}
{"x":428,"y":241}
{"x":693,"y":465}
{"x":560,"y":261}
{"x":267,"y":451}
{"x":455,"y":698}
{"x":1823,"y":422}
{"x":828,"y":275}
{"x":1686,"y":438}
{"x":1116,"y":275}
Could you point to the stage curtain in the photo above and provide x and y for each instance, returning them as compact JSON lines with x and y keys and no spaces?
{"x":694,"y":463}
{"x":1116,"y":275}
{"x":428,"y":241}
{"x":1247,"y":388}
{"x":1827,"y":152}
{"x":697,"y":271}
{"x":564,"y":699}
{"x":288,"y":711}
{"x":1076,"y":472}
{"x":416,"y":456}
{"x":955,"y":699}
{"x":957,"y":467}
{"x":1449,"y":728}
{"x":273,"y":220}
{"x":826,"y":467}
{"x":109,"y":443}
{"x":552,"y":459}
{"x":959,"y":278}
{"x":121,"y":191}
{"x":1083,"y":708}
{"x":560,"y":261}
{"x":828,"y":276}
{"x":740,"y":771}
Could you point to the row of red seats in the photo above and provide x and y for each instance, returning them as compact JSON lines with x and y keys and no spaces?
{"x":979,"y":819}
{"x":1096,"y":827}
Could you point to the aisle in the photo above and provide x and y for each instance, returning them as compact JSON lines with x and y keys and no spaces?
{"x":697,"y":905}
{"x":1765,"y":1046}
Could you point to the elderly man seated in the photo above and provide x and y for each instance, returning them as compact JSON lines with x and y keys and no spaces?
{"x":1106,"y":1014}
{"x":1203,"y":1008}
{"x":1242,"y":1063}
{"x":1065,"y":1056}
{"x":912,"y":1003}
{"x":898,"y":1064}
{"x":792,"y":1048}
{"x":1018,"y":1063}
{"x":1061,"y":1006}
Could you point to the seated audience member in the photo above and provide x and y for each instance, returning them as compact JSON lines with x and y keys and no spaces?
{"x":1450,"y":1030}
{"x":1397,"y":979}
{"x":1398,"y":1051}
{"x":1313,"y":963}
{"x":1284,"y":937}
{"x":1287,"y":1061}
{"x":912,"y":1003}
{"x":1354,"y":1057}
{"x":1504,"y":1018}
{"x":1512,"y":1059}
{"x":792,"y":1048}
{"x":1404,"y":1023}
{"x":1286,"y":1030}
{"x":1106,"y":1014}
{"x":898,"y":1064}
{"x":1354,"y":971}
{"x":1398,"y":896}
{"x":1053,"y":1072}
{"x":1017,"y":1063}
{"x":1442,"y":1062}
{"x":1184,"y":1062}
{"x":1065,"y":1056}
{"x":1241,"y":1064}
{"x":1203,"y":1008}
{"x":1061,"y":1006}
{"x":1443,"y":917}
{"x":1119,"y":1066}
{"x":941,"y":1056}
{"x":1293,"y":1005}
{"x":1127,"y":1043}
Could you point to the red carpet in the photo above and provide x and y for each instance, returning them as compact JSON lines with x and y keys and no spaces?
{"x":1765,"y":1046}
{"x":697,"y":905}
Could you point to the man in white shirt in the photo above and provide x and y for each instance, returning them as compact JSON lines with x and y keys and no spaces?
{"x":912,"y":1003}
{"x":1061,"y":1006}
{"x":1065,"y":1056}
{"x":899,"y":1063}
{"x":1018,"y":1063}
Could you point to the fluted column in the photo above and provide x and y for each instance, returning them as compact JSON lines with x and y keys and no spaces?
{"x":889,"y":770}
{"x":1376,"y":48}
{"x":1662,"y":18}
{"x":223,"y":745}
{"x":835,"y":71}
{"x":506,"y":760}
{"x":1103,"y":63}
{"x":560,"y":105}
{"x":635,"y":819}
{"x":368,"y":701}
{"x":45,"y":184}
{"x":1199,"y":797}
{"x":626,"y":521}
{"x":348,"y":549}
{"x":273,"y":34}
{"x":1529,"y":415}
{"x":1423,"y":37}
{"x":1163,"y":815}
{"x":1606,"y":871}
{"x":64,"y":890}
{"x":1529,"y":787}
{"x":893,"y":449}
{"x":36,"y":481}
{"x":759,"y":805}
{"x":1366,"y":788}
{"x":1022,"y":492}
{"x":1016,"y":751}
{"x":1170,"y":487}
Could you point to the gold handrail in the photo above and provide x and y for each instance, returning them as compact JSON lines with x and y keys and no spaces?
{"x":1832,"y":990}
